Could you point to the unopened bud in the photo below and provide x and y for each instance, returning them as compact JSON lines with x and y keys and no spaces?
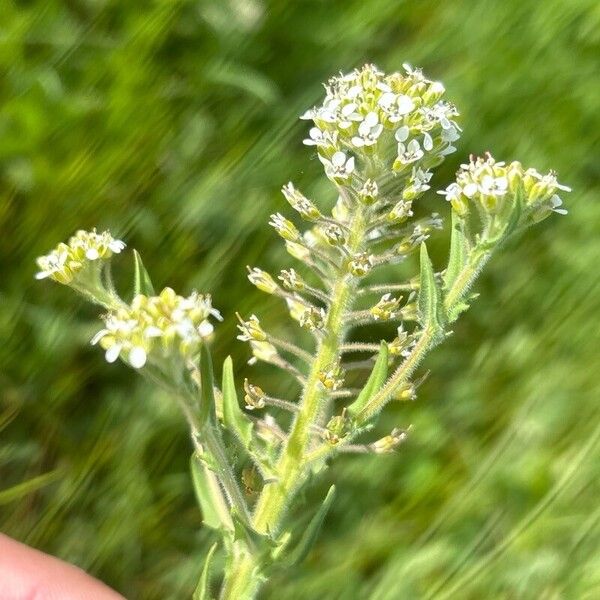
{"x":284,"y":227}
{"x":262,"y":280}
{"x":386,"y":307}
{"x":291,"y":280}
{"x":300,"y":203}
{"x":360,"y":265}
{"x":254,"y":396}
{"x":313,"y":319}
{"x":389,"y":443}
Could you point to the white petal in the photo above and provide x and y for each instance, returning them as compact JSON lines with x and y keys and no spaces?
{"x":152,"y":331}
{"x":386,"y":99}
{"x":371,"y":119}
{"x":402,"y":134}
{"x":116,"y":246}
{"x":205,"y":329}
{"x":338,"y":159}
{"x":350,"y":165}
{"x":470,"y":190}
{"x":358,"y":142}
{"x":92,"y":254}
{"x":405,"y":104}
{"x":427,"y":142}
{"x":42,"y":275}
{"x":113,"y":353}
{"x":137,"y":357}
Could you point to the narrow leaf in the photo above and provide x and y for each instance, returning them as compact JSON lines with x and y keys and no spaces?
{"x":459,"y":250}
{"x":207,"y":391}
{"x":430,"y":312}
{"x":309,"y":537}
{"x":142,"y":284}
{"x":210,"y":499}
{"x":202,"y":591}
{"x":233,"y":417}
{"x":375,"y":381}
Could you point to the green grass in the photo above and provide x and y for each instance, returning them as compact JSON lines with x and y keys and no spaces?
{"x":175,"y":124}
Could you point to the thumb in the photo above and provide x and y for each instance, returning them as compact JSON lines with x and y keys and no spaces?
{"x":28,"y":574}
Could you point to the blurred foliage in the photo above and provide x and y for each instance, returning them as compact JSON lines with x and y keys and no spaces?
{"x":174,"y":123}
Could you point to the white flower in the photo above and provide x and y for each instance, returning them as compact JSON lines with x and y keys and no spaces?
{"x":339,"y":167}
{"x":452,"y":192}
{"x":396,"y":106}
{"x":368,"y":131}
{"x":410,"y":153}
{"x":53,"y":263}
{"x":493,"y":186}
{"x":556,"y":203}
{"x":316,"y":137}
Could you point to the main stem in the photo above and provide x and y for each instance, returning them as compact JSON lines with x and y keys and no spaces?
{"x":241,"y":581}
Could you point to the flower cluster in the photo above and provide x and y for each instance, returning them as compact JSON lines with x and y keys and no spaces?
{"x":67,"y":261}
{"x":154,"y":326}
{"x":493,"y":187}
{"x":400,"y":118}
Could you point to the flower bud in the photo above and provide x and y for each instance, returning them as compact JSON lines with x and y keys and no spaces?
{"x":284,"y":227}
{"x":360,"y":264}
{"x":369,"y":192}
{"x":313,"y":319}
{"x":386,"y":308}
{"x":254,"y":396}
{"x":300,"y":203}
{"x":291,"y":280}
{"x":251,"y":330}
{"x":332,"y":378}
{"x":262,"y":280}
{"x":389,"y":443}
{"x":334,"y":234}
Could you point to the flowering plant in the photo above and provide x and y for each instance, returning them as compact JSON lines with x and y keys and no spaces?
{"x":378,"y":137}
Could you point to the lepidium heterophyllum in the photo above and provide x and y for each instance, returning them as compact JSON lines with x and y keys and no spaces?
{"x":378,"y":138}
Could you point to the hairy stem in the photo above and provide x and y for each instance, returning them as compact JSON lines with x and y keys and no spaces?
{"x":291,"y":468}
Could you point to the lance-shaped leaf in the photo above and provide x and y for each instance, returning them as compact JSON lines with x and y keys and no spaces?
{"x":430,"y":298}
{"x":207,"y":391}
{"x":309,"y":537}
{"x":142,"y":284}
{"x":459,"y":250}
{"x":375,"y":381}
{"x":234,"y":418}
{"x":202,"y":591}
{"x":215,"y":513}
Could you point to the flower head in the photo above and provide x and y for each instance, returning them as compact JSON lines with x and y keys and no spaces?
{"x":67,"y":261}
{"x":496,"y":187}
{"x":156,"y":326}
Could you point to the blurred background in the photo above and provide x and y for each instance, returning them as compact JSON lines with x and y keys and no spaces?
{"x":174,"y":124}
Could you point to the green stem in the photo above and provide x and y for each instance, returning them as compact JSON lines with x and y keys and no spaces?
{"x":242,"y":579}
{"x":426,"y":341}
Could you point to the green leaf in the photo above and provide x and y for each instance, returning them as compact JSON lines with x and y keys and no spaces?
{"x":312,"y":531}
{"x":202,"y":591}
{"x":258,"y":543}
{"x":207,"y":391}
{"x":142,"y":284}
{"x":375,"y":381}
{"x":459,"y":250}
{"x":210,"y":499}
{"x":233,"y":417}
{"x":430,"y":298}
